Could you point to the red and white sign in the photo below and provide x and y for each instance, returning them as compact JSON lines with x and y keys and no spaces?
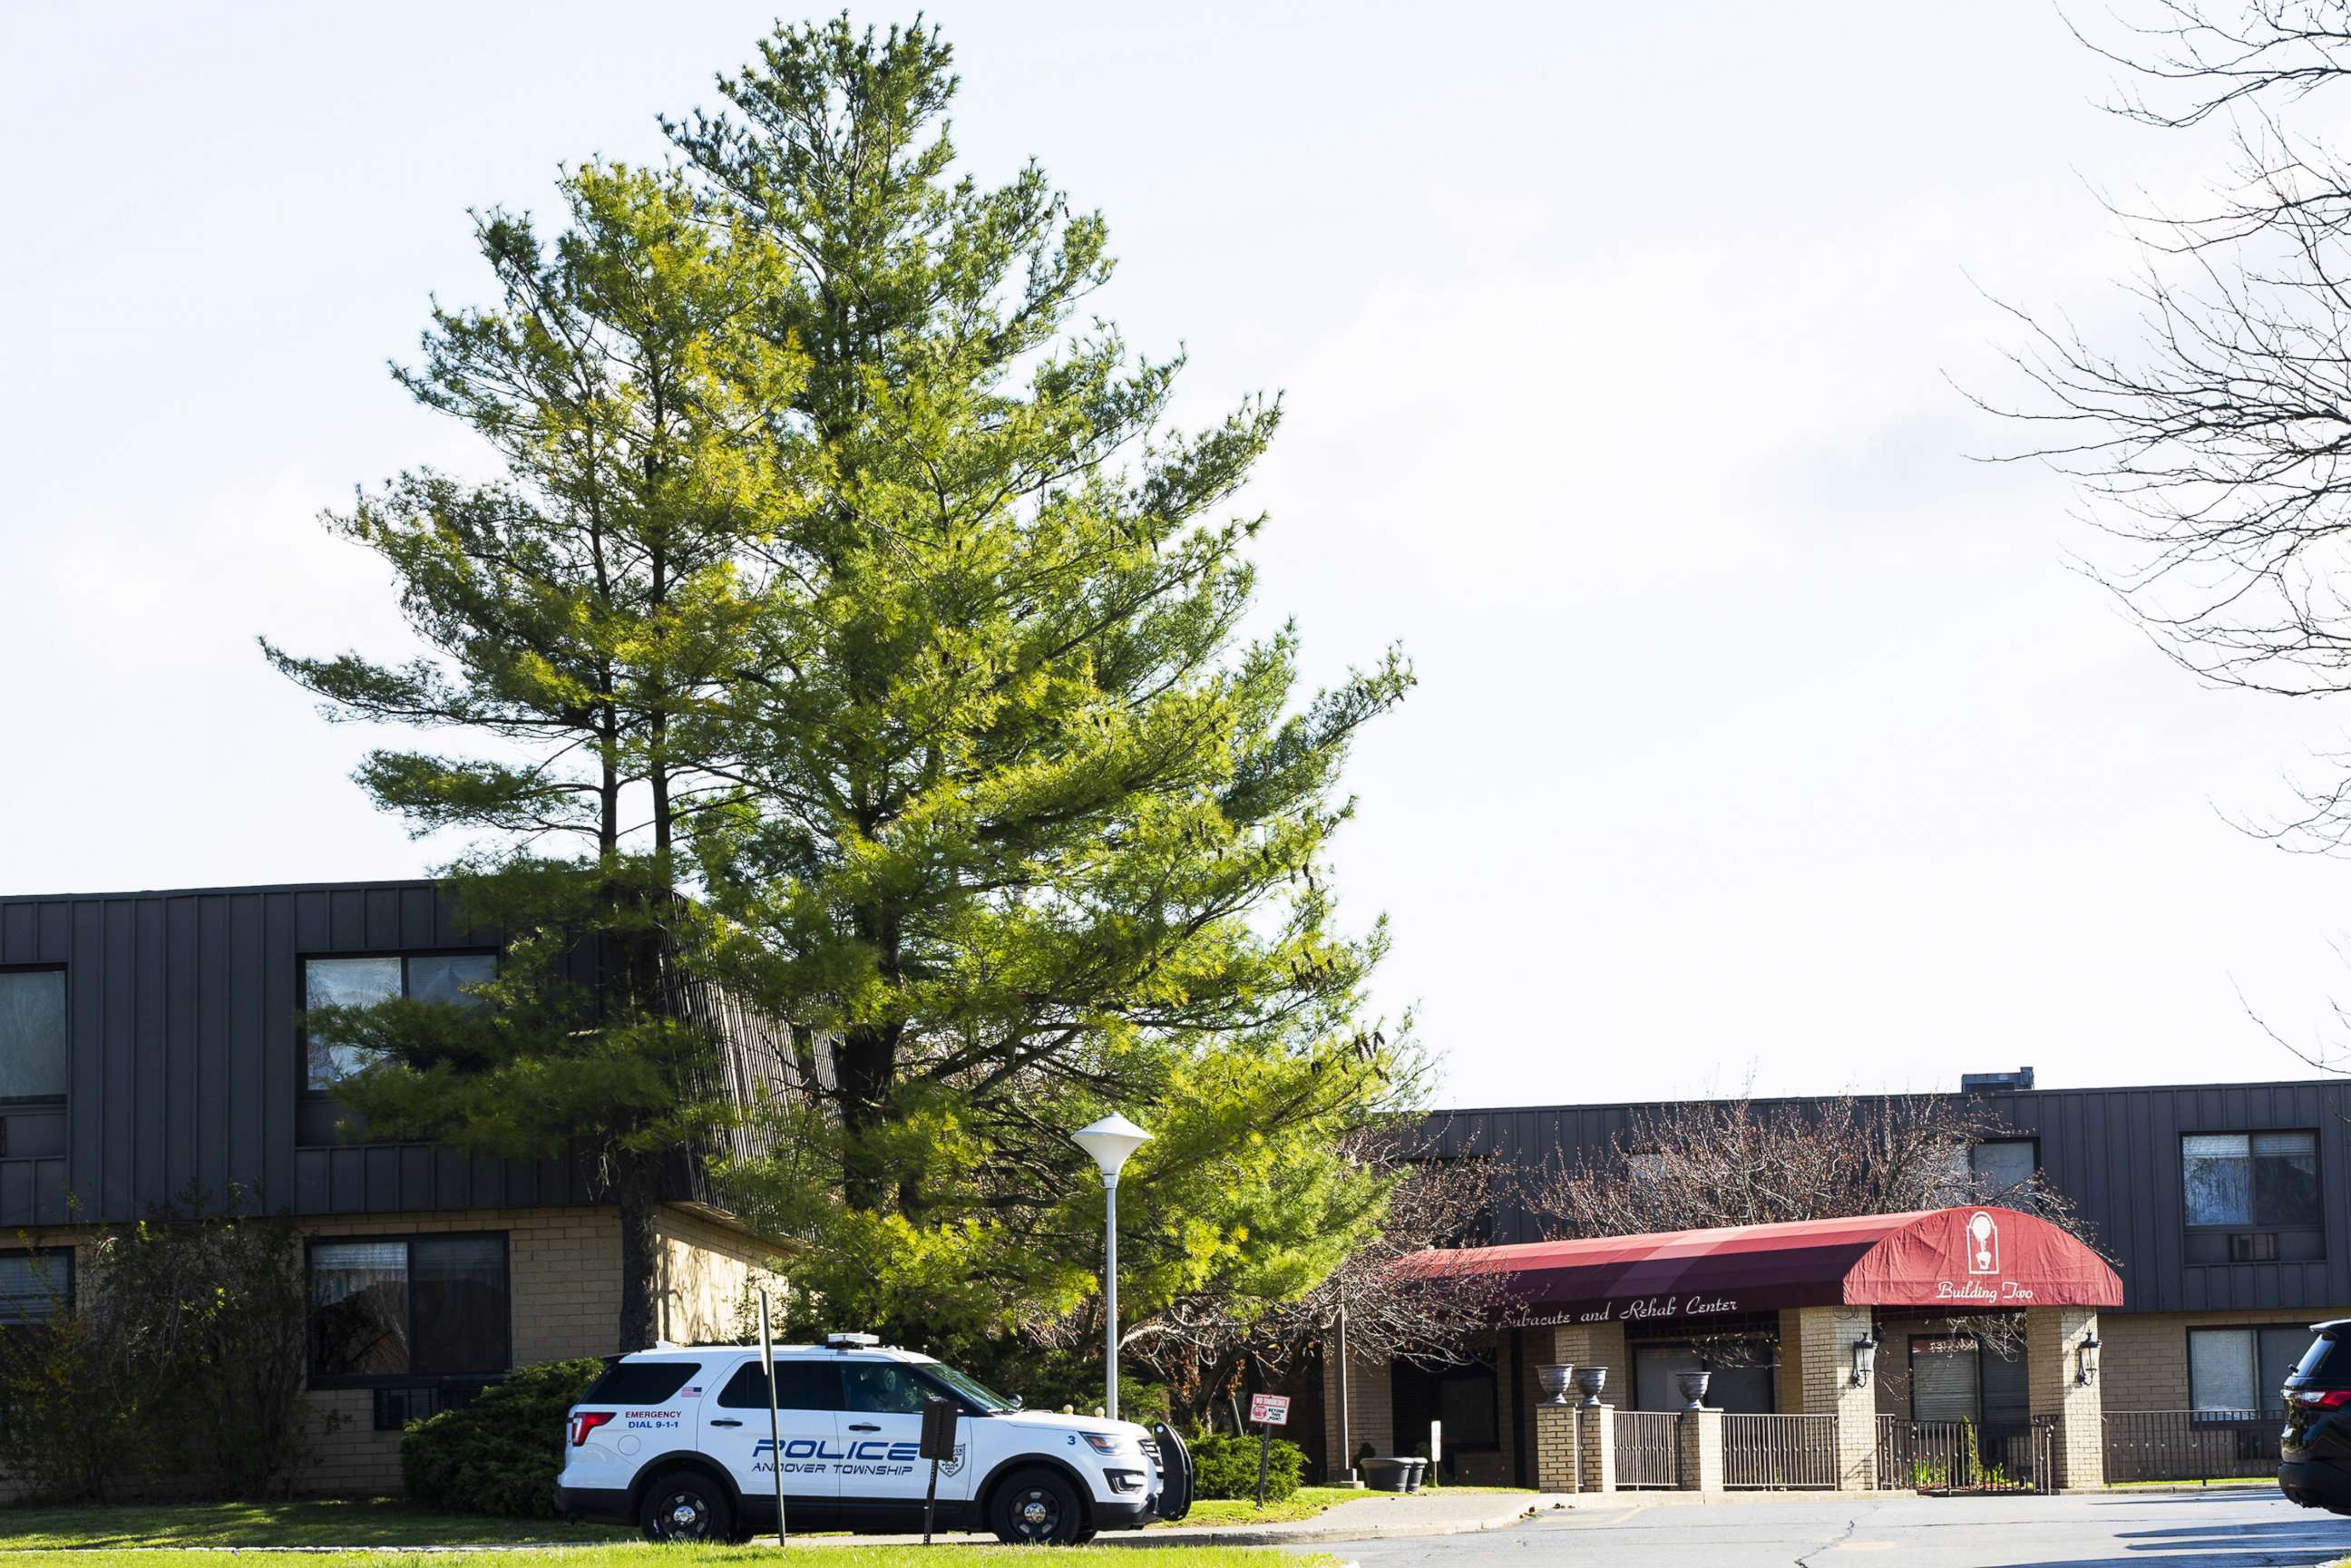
{"x":1270,"y":1409}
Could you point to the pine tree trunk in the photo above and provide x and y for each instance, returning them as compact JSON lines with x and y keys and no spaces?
{"x":636,"y":1188}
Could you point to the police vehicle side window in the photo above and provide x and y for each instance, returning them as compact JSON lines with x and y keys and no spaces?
{"x":883,"y":1388}
{"x":640,"y":1381}
{"x":799,"y":1385}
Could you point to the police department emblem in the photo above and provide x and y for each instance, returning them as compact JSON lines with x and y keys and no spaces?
{"x":953,"y":1466}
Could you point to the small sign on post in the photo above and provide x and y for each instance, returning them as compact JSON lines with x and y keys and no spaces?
{"x":1267,"y":1411}
{"x":939,"y":1417}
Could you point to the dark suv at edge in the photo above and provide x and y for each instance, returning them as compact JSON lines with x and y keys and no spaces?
{"x":2315,"y":1450}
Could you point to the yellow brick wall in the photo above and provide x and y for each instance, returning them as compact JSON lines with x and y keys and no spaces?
{"x":709,"y":1267}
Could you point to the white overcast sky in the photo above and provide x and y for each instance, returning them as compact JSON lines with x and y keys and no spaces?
{"x":1760,"y":731}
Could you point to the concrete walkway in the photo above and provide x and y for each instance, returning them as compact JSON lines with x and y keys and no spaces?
{"x":2122,"y":1528}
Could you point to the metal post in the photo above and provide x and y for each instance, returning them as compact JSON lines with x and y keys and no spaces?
{"x":775,"y":1424}
{"x":1343,"y":1463}
{"x":1110,"y":1291}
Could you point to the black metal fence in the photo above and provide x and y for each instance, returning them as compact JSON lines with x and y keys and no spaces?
{"x":1948,"y":1457}
{"x":1780,"y":1453}
{"x":1644,"y":1448}
{"x":2190,"y":1445}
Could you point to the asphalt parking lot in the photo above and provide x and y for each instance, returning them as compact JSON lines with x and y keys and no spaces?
{"x":2115,"y":1530}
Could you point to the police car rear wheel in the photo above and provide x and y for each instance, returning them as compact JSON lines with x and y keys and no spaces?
{"x":685,"y":1506}
{"x":1037,"y":1508}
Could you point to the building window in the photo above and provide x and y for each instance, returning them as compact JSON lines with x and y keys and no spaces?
{"x":419,"y":1307}
{"x":32,"y":1034}
{"x":35,"y":1286}
{"x":1744,"y":1382}
{"x":2002,"y":1164}
{"x":363,"y":982}
{"x":2240,"y":1372}
{"x":2252,"y":1180}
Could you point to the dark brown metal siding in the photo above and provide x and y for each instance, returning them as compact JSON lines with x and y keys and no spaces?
{"x":2114,"y":1152}
{"x":182,"y":1010}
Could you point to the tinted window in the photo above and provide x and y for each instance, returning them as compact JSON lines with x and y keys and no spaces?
{"x":437,"y":1304}
{"x":447,"y":977}
{"x":459,"y":1291}
{"x":639,"y":1381}
{"x":2307,"y":1369}
{"x":2005,"y":1162}
{"x":359,"y":1308}
{"x":883,"y":1388}
{"x":2251,"y":1179}
{"x":2242,"y":1371}
{"x":799,"y":1385}
{"x":32,"y":1034}
{"x":443,"y":977}
{"x":34,"y":1286}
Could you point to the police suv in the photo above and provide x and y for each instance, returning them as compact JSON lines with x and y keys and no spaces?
{"x":677,"y":1441}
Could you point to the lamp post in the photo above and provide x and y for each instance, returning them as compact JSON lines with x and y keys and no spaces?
{"x":1111,"y":1141}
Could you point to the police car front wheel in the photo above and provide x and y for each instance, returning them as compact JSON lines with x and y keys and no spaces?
{"x":685,"y":1506}
{"x":1037,"y":1508}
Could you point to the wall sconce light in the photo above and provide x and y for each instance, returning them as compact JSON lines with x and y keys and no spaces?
{"x":2087,"y":1372}
{"x":1865,"y":1361}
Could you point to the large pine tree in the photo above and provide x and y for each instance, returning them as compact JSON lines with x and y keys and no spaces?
{"x":584,"y":612}
{"x":1025,"y":824}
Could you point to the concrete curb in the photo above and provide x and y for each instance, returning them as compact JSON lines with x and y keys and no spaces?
{"x":1307,"y":1532}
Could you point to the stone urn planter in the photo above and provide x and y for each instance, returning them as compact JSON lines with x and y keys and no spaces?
{"x":1384,"y":1473}
{"x":1416,"y":1471}
{"x":1554,"y":1381}
{"x":1589,"y":1382}
{"x":1693,"y":1387}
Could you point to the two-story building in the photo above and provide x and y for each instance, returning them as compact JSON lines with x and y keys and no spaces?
{"x":151,"y":1046}
{"x":2225,"y":1209}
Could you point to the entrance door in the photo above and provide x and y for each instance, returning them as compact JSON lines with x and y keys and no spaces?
{"x":735,"y":1433}
{"x":1946,"y":1379}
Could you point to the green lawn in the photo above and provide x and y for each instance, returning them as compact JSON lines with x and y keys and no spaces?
{"x":380,"y":1522}
{"x":640,"y":1555}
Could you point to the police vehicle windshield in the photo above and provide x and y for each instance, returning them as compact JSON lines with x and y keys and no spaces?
{"x":976,"y":1394}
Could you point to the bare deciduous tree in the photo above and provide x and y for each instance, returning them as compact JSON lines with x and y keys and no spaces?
{"x":1746,"y":1162}
{"x":1209,"y":1346}
{"x":2210,"y":444}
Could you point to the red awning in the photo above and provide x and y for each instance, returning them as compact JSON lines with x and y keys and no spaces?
{"x":1954,"y":1260}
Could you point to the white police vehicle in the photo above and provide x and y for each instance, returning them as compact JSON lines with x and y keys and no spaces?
{"x":677,"y":1441}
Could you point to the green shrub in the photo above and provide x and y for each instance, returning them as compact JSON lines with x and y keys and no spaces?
{"x":1225,"y":1466}
{"x":500,"y":1454}
{"x":173,"y":1362}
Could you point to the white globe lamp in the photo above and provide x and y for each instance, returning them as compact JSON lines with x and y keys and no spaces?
{"x":1111,"y":1141}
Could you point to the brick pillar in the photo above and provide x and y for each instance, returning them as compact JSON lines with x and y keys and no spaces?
{"x":1588,"y":1344}
{"x":1825,"y":1338}
{"x":1556,"y":1468}
{"x":1698,"y":1450}
{"x":1596,"y":1444}
{"x":1369,"y":1414}
{"x":2052,"y":1362}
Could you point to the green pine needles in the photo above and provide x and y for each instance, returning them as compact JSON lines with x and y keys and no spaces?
{"x":850,"y":603}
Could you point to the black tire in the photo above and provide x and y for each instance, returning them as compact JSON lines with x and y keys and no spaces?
{"x":1037,"y":1507}
{"x":685,"y":1506}
{"x":1084,"y":1537}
